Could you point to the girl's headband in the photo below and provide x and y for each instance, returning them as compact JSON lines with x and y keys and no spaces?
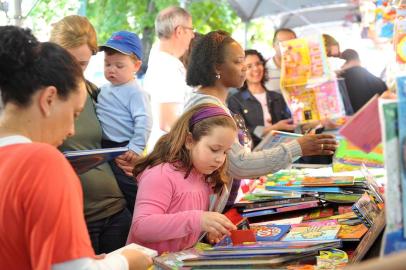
{"x":207,"y":112}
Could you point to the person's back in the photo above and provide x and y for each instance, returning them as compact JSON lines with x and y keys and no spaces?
{"x":361,"y":84}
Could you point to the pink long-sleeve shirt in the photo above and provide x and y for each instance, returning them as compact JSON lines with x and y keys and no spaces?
{"x":169,"y":208}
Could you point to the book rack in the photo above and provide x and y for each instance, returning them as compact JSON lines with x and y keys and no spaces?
{"x":369,"y":239}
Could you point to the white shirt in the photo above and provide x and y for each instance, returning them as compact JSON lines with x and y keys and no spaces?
{"x":262,"y":100}
{"x":274,"y":76}
{"x":165,"y":81}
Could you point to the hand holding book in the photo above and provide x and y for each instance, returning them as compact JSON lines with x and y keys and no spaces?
{"x":216,"y":225}
{"x":317,"y":144}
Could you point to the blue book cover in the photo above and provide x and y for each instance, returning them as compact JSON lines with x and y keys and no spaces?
{"x":270,"y":232}
{"x":258,"y":213}
{"x":401,"y":87}
{"x":85,"y":160}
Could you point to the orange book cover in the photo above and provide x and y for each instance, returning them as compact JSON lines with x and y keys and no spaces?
{"x":352,"y":232}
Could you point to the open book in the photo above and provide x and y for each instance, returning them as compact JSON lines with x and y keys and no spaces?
{"x":274,"y":138}
{"x":84,"y":160}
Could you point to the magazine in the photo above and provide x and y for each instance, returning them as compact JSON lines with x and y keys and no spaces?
{"x":84,"y":160}
{"x":276,"y":137}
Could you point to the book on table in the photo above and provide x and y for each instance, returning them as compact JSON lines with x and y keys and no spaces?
{"x":85,"y":160}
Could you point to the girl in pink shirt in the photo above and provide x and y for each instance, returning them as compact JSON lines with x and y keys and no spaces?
{"x":176,"y":180}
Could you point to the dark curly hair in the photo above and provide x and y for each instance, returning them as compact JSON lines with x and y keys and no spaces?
{"x":262,"y":60}
{"x":27,"y":65}
{"x":206,"y":54}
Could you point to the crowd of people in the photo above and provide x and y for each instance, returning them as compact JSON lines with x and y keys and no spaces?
{"x":50,"y":218}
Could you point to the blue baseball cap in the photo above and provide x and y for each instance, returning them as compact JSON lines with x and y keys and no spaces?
{"x":125,"y":42}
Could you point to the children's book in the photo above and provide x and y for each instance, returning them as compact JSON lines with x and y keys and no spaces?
{"x":349,"y":157}
{"x":271,"y":247}
{"x":312,"y":233}
{"x":150,"y":252}
{"x":330,"y":181}
{"x":330,"y":222}
{"x":276,"y":137}
{"x":363,"y":129}
{"x":319,"y":213}
{"x":352,"y":232}
{"x":270,"y":232}
{"x":274,"y":204}
{"x":243,"y":261}
{"x":366,"y":209}
{"x":84,"y":160}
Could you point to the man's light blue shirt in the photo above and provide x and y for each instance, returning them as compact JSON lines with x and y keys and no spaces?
{"x":125,"y":114}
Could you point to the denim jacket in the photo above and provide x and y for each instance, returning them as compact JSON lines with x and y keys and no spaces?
{"x":246,"y":105}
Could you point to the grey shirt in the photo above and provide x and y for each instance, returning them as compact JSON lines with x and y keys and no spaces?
{"x":246,"y":164}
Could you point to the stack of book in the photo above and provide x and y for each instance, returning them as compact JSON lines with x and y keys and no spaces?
{"x":292,"y":218}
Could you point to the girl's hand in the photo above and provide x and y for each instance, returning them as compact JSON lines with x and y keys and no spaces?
{"x":212,"y":239}
{"x":216,"y":224}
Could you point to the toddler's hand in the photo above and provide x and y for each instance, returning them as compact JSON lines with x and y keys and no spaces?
{"x":216,"y":224}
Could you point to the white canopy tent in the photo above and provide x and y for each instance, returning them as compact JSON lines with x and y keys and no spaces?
{"x":294,"y":13}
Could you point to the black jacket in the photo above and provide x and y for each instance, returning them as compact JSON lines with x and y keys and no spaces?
{"x":246,"y":105}
{"x":362,"y":86}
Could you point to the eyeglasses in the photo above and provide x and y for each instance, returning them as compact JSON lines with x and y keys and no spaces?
{"x":188,"y":28}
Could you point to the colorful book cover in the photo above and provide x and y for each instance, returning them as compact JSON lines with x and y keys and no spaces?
{"x":84,"y":160}
{"x":366,"y":209}
{"x":304,"y":61}
{"x":239,"y":237}
{"x":363,"y":129}
{"x":329,"y":181}
{"x":310,"y":103}
{"x":274,"y":138}
{"x":352,"y":232}
{"x":401,"y":90}
{"x":393,"y":239}
{"x":332,"y":259}
{"x":349,"y":157}
{"x":342,"y":209}
{"x":312,"y":233}
{"x":319,"y":213}
{"x":270,"y":232}
{"x":306,"y":81}
{"x":330,"y":222}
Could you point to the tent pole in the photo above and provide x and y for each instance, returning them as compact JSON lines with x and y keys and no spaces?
{"x":18,"y":18}
{"x":246,"y":26}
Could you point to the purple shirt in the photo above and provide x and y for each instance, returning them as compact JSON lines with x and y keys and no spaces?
{"x":169,"y":208}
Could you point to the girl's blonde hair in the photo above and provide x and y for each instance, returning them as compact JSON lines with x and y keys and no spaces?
{"x":171,"y":147}
{"x":74,"y":31}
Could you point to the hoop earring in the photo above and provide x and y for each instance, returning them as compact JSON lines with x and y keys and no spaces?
{"x":218,"y":76}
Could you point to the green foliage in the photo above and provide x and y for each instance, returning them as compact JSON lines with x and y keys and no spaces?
{"x":213,"y":15}
{"x":138,"y":16}
{"x":48,"y":11}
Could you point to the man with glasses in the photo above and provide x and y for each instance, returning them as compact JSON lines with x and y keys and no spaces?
{"x":165,"y":78}
{"x":273,"y":65}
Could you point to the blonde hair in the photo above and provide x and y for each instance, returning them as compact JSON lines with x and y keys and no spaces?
{"x":74,"y":31}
